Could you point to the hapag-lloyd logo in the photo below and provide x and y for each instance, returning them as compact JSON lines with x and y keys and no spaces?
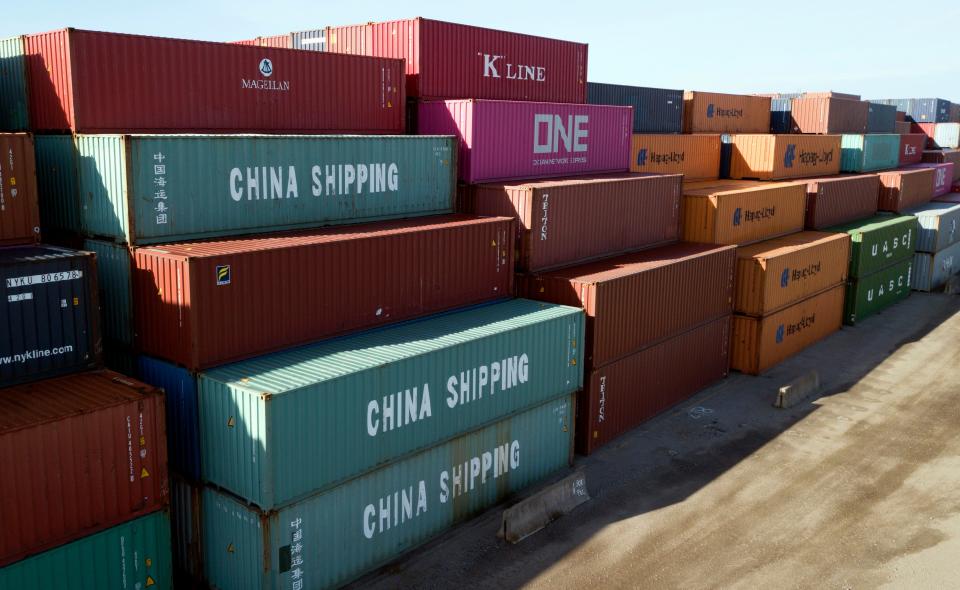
{"x":265,"y":68}
{"x":493,"y":67}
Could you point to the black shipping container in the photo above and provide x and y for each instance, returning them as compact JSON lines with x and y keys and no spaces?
{"x":781,"y":115}
{"x":655,"y":110}
{"x":881,"y":118}
{"x":49,"y":313}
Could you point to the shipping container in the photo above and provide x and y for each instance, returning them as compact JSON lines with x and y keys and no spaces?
{"x":881,"y":118}
{"x":144,"y":189}
{"x":696,"y":156}
{"x":621,"y":395}
{"x":932,"y":271}
{"x":904,"y":128}
{"x":875,"y":292}
{"x":831,"y":94}
{"x":740,"y":213}
{"x":13,"y":86}
{"x":449,"y":60}
{"x":655,"y":110}
{"x":80,"y":454}
{"x":93,"y":82}
{"x":186,"y":513}
{"x":841,"y":199}
{"x":712,"y":112}
{"x":183,"y":413}
{"x":49,"y":307}
{"x":867,"y":153}
{"x":761,"y":343}
{"x":939,"y":135}
{"x":944,"y":156}
{"x":114,"y":290}
{"x":135,"y":554}
{"x":570,"y":221}
{"x":942,"y":176}
{"x":296,"y":288}
{"x":780,"y":157}
{"x":19,"y":211}
{"x":636,"y":300}
{"x":829,"y":115}
{"x":879,"y":242}
{"x":933,"y":110}
{"x":781,"y":119}
{"x":309,"y":40}
{"x":382,"y":514}
{"x":954,"y":113}
{"x":279,"y":41}
{"x":953,"y":197}
{"x":901,"y":116}
{"x":906,"y":188}
{"x":58,"y":189}
{"x":777,"y":273}
{"x":501,"y":140}
{"x":911,"y":148}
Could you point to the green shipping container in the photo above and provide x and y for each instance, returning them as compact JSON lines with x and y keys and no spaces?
{"x":146,"y":189}
{"x":114,"y":264}
{"x":329,"y":539}
{"x":13,"y":86}
{"x":283,"y":426}
{"x":133,"y":555}
{"x":879,"y":242}
{"x":875,"y":292}
{"x":865,"y":153}
{"x":57,"y":187}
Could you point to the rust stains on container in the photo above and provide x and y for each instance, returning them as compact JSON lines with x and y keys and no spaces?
{"x":835,"y":200}
{"x":712,"y":112}
{"x":778,"y":157}
{"x":906,"y":188}
{"x":911,"y":148}
{"x":19,"y":213}
{"x":829,"y":115}
{"x":741,"y":212}
{"x":696,"y":156}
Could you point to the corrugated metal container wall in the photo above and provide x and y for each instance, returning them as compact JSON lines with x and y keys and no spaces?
{"x":697,"y":157}
{"x":944,"y":156}
{"x":941,"y":135}
{"x":711,"y":112}
{"x":216,"y":186}
{"x":186,"y":527}
{"x":933,"y":110}
{"x":732,"y":212}
{"x":74,"y":76}
{"x":183,"y":413}
{"x":58,"y":188}
{"x":67,"y":467}
{"x":189,"y":296}
{"x":114,"y":293}
{"x":13,"y":86}
{"x":635,"y":300}
{"x":781,"y":119}
{"x":502,"y":140}
{"x":866,"y":153}
{"x":831,"y":94}
{"x":448,"y":60}
{"x":655,"y":110}
{"x":905,"y":189}
{"x":135,"y":554}
{"x":575,"y":220}
{"x":311,"y":40}
{"x":932,"y":271}
{"x":879,"y":242}
{"x":835,"y":200}
{"x":19,"y":211}
{"x":942,"y":176}
{"x":255,"y":42}
{"x":911,"y":148}
{"x":49,"y":308}
{"x":881,"y":118}
{"x":622,"y":394}
{"x":779,"y":157}
{"x":829,"y":115}
{"x":364,"y":401}
{"x":777,"y":273}
{"x":904,"y":128}
{"x":279,"y":41}
{"x":954,"y":112}
{"x":423,"y":495}
{"x":871,"y":294}
{"x":761,"y":343}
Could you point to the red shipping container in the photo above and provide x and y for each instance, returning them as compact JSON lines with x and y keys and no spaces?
{"x":448,"y":60}
{"x":635,"y":300}
{"x":510,"y":140}
{"x":19,"y":212}
{"x":911,"y":148}
{"x":943,"y":156}
{"x":569,"y":221}
{"x":621,"y":395}
{"x":841,"y":199}
{"x":942,"y":176}
{"x":905,"y":189}
{"x":78,"y":454}
{"x":93,"y":82}
{"x":208,"y":303}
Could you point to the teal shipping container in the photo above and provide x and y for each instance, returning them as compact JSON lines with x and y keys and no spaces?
{"x":280,"y":427}
{"x":879,"y":242}
{"x":114,"y":263}
{"x":331,"y":538}
{"x":135,"y":554}
{"x":869,"y":152}
{"x":932,"y":271}
{"x":57,"y":188}
{"x":939,"y":226}
{"x":148,"y":189}
{"x":13,"y":86}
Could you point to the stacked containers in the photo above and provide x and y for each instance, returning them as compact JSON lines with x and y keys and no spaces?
{"x":921,"y":110}
{"x":937,"y":246}
{"x":944,"y":157}
{"x":911,"y":148}
{"x":13,"y":86}
{"x":939,"y":135}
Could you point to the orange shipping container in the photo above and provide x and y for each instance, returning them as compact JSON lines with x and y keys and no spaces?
{"x":697,"y":157}
{"x":829,"y":115}
{"x":905,"y":189}
{"x":777,"y":273}
{"x":712,"y":112}
{"x":778,"y":157}
{"x":760,"y":343}
{"x":741,"y":213}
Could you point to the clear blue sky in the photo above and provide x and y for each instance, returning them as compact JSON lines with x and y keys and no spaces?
{"x":879,"y":49}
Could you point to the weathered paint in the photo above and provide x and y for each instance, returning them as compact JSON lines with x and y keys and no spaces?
{"x":13,"y":86}
{"x":872,"y":293}
{"x":932,"y":271}
{"x":865,"y":153}
{"x":879,"y":242}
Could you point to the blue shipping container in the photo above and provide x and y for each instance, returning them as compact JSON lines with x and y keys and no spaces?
{"x":183,"y":430}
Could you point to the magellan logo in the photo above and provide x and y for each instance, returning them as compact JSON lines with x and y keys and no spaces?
{"x":511,"y":71}
{"x":266,"y":70}
{"x":223,"y":274}
{"x":642,"y":157}
{"x":785,"y":277}
{"x":736,"y":216}
{"x":710,"y":111}
{"x":790,"y":155}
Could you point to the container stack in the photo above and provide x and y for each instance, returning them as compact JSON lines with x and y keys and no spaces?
{"x":938,"y":251}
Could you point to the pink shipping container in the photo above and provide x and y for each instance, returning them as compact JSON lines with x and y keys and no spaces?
{"x":942,"y":176}
{"x":94,"y":82}
{"x":511,"y":140}
{"x":911,"y":148}
{"x":448,"y":60}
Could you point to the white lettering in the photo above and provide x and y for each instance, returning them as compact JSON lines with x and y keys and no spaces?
{"x":236,"y":191}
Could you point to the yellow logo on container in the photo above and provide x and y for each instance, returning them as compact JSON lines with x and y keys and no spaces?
{"x":223,"y":274}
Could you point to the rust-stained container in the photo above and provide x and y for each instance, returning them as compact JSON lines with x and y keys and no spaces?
{"x":625,"y":393}
{"x":741,"y":212}
{"x":911,"y":148}
{"x":943,"y":157}
{"x":19,"y":213}
{"x":207,"y":303}
{"x":569,"y":221}
{"x":777,"y":273}
{"x":841,"y":199}
{"x":712,"y":112}
{"x":78,"y":454}
{"x":696,"y":156}
{"x":905,"y":188}
{"x":449,"y":60}
{"x":93,"y":82}
{"x":779,"y":157}
{"x":829,"y":115}
{"x":638,"y":299}
{"x":761,"y":343}
{"x":902,"y":127}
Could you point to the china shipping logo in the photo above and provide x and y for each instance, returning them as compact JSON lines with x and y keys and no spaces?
{"x":266,"y":68}
{"x":790,"y":155}
{"x":780,"y":334}
{"x":642,"y":157}
{"x":710,"y":111}
{"x":785,"y":277}
{"x":736,"y":216}
{"x":223,"y":274}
